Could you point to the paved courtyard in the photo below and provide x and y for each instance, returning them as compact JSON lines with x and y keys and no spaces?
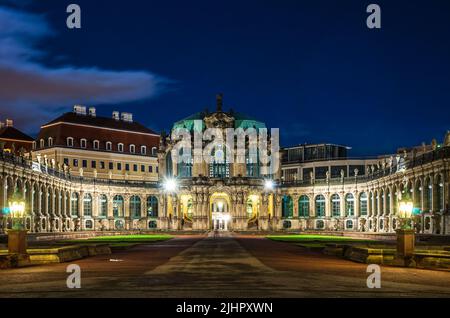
{"x":220,"y":266}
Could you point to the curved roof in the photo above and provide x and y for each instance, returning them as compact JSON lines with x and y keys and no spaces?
{"x":240,"y":121}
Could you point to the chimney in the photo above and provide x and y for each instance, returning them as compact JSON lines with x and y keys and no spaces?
{"x":92,"y":112}
{"x":9,"y":123}
{"x":127,"y":117}
{"x":79,"y":109}
{"x":219,"y":102}
{"x":115,"y":115}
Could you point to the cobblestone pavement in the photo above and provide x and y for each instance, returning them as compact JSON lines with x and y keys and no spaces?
{"x":220,"y":265}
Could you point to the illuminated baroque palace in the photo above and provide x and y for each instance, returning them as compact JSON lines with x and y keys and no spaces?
{"x":85,"y":173}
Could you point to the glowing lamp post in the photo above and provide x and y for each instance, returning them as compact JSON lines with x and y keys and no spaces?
{"x":17,"y":236}
{"x":405,"y":234}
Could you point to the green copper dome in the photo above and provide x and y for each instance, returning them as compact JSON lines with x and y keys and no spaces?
{"x":219,"y":117}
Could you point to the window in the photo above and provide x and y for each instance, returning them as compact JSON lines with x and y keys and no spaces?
{"x":87,"y":205}
{"x":127,"y":167}
{"x":96,"y":144}
{"x":111,"y":166}
{"x":132,"y":148}
{"x":154,"y":151}
{"x":66,"y":161}
{"x":118,"y":206}
{"x":84,"y":162}
{"x":69,"y":142}
{"x":135,"y":168}
{"x":287,"y":208}
{"x":102,"y":165}
{"x":142,"y":168}
{"x":152,"y":224}
{"x":143,"y":150}
{"x":120,"y":147}
{"x":74,"y":204}
{"x":109,"y":146}
{"x":135,"y":207}
{"x":303,"y":206}
{"x":83,"y":143}
{"x":50,"y":141}
{"x":75,"y":162}
{"x":349,"y":224}
{"x":119,"y":166}
{"x":34,"y":144}
{"x":152,"y":206}
{"x":156,"y":169}
{"x":89,"y":225}
{"x":320,"y":205}
{"x":363,"y":203}
{"x":349,"y":205}
{"x":93,"y":164}
{"x":103,"y":206}
{"x":42,"y":143}
{"x":335,"y":205}
{"x":150,"y":169}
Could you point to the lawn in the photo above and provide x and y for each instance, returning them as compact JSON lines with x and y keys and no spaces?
{"x":121,"y":240}
{"x":306,"y":238}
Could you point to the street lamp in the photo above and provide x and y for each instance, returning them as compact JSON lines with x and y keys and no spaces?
{"x":17,"y":236}
{"x":405,"y":234}
{"x":170,"y":185}
{"x":269,"y":185}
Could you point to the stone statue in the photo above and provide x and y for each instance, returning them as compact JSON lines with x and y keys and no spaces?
{"x":447,"y":139}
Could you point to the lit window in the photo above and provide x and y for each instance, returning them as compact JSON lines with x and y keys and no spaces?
{"x":96,"y":144}
{"x":120,"y":147}
{"x":143,"y":150}
{"x":69,"y":142}
{"x":83,"y":143}
{"x":109,"y":146}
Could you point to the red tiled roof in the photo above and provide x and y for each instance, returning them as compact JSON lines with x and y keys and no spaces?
{"x":13,"y":133}
{"x":106,"y":122}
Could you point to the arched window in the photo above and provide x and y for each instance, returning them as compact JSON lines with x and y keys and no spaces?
{"x":381,"y":202}
{"x":96,"y":144}
{"x":428,"y":188}
{"x":418,"y":194}
{"x":303,"y":206}
{"x":132,"y":148}
{"x":320,"y":205}
{"x":42,"y":143}
{"x":87,"y":205}
{"x":50,"y":141}
{"x":69,"y":142}
{"x":376,"y":205}
{"x":108,"y":145}
{"x":120,"y":147}
{"x":143,"y":150}
{"x":83,"y":143}
{"x":287,"y":207}
{"x":363,"y":203}
{"x":349,"y":205}
{"x":135,"y":207}
{"x":335,"y":205}
{"x":439,"y":194}
{"x":154,"y":151}
{"x":388,"y":201}
{"x":74,"y":204}
{"x":219,"y":166}
{"x":184,"y":165}
{"x":118,"y":206}
{"x":103,"y":206}
{"x":152,"y":206}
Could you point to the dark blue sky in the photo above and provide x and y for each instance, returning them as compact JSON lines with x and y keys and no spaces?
{"x":311,"y":68}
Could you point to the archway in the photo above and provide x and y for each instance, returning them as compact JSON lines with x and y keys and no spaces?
{"x":220,"y":212}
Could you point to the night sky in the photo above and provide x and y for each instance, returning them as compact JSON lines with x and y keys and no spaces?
{"x":311,"y":68}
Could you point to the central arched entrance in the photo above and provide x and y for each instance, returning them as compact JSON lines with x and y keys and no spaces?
{"x":220,"y":212}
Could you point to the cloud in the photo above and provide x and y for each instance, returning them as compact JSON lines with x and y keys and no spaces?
{"x":33,"y":93}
